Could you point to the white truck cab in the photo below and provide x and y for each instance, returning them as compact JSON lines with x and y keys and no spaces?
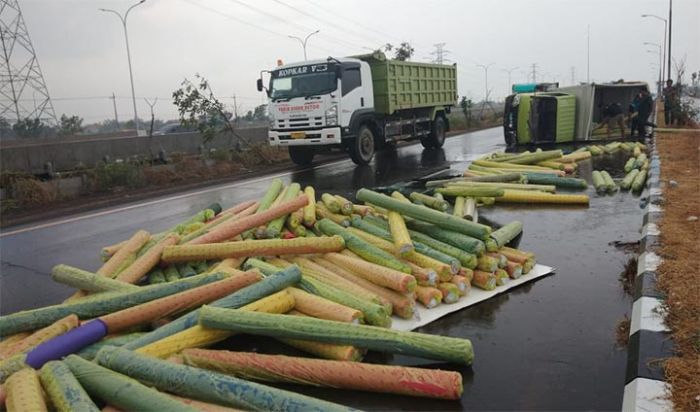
{"x":327,"y":102}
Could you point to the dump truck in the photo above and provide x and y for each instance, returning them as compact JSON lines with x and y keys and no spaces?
{"x":359,"y":104}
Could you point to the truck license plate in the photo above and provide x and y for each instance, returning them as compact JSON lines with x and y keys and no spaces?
{"x":298,"y":135}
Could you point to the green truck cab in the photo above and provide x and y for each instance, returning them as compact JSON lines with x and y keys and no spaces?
{"x":358,"y":103}
{"x":548,"y":117}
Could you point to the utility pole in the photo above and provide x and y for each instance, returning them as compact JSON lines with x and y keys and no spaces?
{"x":235,"y":109}
{"x":153,"y":118}
{"x":440,"y":53}
{"x":20,"y":74}
{"x":509,"y":71}
{"x":534,"y":72}
{"x":588,"y":53}
{"x":303,"y":42}
{"x":670,"y":30}
{"x":114,"y":104}
{"x":128,"y":57}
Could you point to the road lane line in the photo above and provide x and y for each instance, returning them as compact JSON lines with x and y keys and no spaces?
{"x":167,"y":199}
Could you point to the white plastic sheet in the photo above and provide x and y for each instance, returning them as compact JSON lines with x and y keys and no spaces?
{"x":475,"y":296}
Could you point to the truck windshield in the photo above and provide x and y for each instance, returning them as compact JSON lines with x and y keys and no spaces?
{"x":299,"y":85}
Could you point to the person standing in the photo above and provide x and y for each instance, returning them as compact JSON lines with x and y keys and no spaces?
{"x":670,"y":100}
{"x":613,"y":115}
{"x":633,"y":113}
{"x":644,"y":108}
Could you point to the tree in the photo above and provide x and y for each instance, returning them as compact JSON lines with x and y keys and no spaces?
{"x":5,"y":129}
{"x":29,"y":128}
{"x":107,"y":126}
{"x":70,"y":125}
{"x":199,"y":108}
{"x":403,"y":52}
{"x":260,"y":112}
{"x":467,"y":105}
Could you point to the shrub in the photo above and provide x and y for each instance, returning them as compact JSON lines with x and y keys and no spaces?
{"x":117,"y":174}
{"x":29,"y":192}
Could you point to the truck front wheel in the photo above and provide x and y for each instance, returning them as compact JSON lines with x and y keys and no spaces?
{"x":302,"y":155}
{"x":436,"y":138}
{"x":362,"y":147}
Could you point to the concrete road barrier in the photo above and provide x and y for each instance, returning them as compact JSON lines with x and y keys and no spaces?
{"x":31,"y":157}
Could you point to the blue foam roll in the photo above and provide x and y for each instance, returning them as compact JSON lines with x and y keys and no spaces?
{"x":70,"y":342}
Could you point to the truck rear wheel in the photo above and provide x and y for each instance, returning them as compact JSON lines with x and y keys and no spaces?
{"x":436,"y":138}
{"x":302,"y":155}
{"x":362,"y":147}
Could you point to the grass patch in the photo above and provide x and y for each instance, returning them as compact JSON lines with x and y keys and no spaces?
{"x":679,"y":272}
{"x":628,"y":275}
{"x":622,"y":333}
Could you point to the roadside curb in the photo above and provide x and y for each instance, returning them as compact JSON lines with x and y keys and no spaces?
{"x":650,"y":339}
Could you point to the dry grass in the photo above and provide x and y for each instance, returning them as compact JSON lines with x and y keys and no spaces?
{"x":679,"y":273}
{"x":628,"y":275}
{"x":622,"y":333}
{"x":31,"y":192}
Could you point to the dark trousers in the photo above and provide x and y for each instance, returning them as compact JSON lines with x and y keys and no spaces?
{"x":668,"y":114}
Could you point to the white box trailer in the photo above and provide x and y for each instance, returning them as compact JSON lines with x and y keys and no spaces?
{"x":592,"y":98}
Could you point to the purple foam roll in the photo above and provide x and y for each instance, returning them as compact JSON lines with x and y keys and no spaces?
{"x":70,"y":342}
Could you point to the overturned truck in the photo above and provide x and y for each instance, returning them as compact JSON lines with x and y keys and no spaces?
{"x":565,"y":114}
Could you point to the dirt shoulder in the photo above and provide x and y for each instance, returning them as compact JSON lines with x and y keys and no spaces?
{"x":679,"y":273}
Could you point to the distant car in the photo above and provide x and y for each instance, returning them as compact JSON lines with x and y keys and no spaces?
{"x":172,"y":127}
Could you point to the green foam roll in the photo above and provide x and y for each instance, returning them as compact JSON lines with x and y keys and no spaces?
{"x":208,"y":386}
{"x":374,"y":314}
{"x":64,"y":390}
{"x":100,"y":304}
{"x":422,"y":345}
{"x":435,"y":217}
{"x":119,"y":390}
{"x":269,"y":285}
{"x":81,"y":279}
{"x":12,"y":365}
{"x":89,"y":352}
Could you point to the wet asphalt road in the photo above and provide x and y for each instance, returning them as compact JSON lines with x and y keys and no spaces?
{"x":547,"y":345}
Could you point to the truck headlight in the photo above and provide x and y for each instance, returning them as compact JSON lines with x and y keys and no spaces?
{"x":332,"y":116}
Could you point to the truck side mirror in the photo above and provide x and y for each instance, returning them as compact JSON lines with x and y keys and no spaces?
{"x":260,"y":85}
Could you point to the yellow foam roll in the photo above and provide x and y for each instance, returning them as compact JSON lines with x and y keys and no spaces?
{"x":198,"y":336}
{"x":24,"y":392}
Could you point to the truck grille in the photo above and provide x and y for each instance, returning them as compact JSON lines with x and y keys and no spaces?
{"x":299,"y":123}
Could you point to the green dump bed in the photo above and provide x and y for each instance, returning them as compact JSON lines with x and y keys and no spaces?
{"x":400,"y":85}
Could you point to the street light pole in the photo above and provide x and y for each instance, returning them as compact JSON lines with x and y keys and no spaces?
{"x":486,"y":79}
{"x":509,"y":71}
{"x":661,"y":62}
{"x":303,"y":42}
{"x":128,"y":57}
{"x":664,"y":74}
{"x":588,"y":53}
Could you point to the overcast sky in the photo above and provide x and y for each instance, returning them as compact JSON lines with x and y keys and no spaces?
{"x":83,"y":57}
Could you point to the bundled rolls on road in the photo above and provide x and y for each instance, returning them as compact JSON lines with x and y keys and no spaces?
{"x":324,"y":275}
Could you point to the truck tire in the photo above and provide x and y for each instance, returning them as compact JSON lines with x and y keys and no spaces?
{"x":362,"y":147}
{"x":302,"y":155}
{"x":436,"y":138}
